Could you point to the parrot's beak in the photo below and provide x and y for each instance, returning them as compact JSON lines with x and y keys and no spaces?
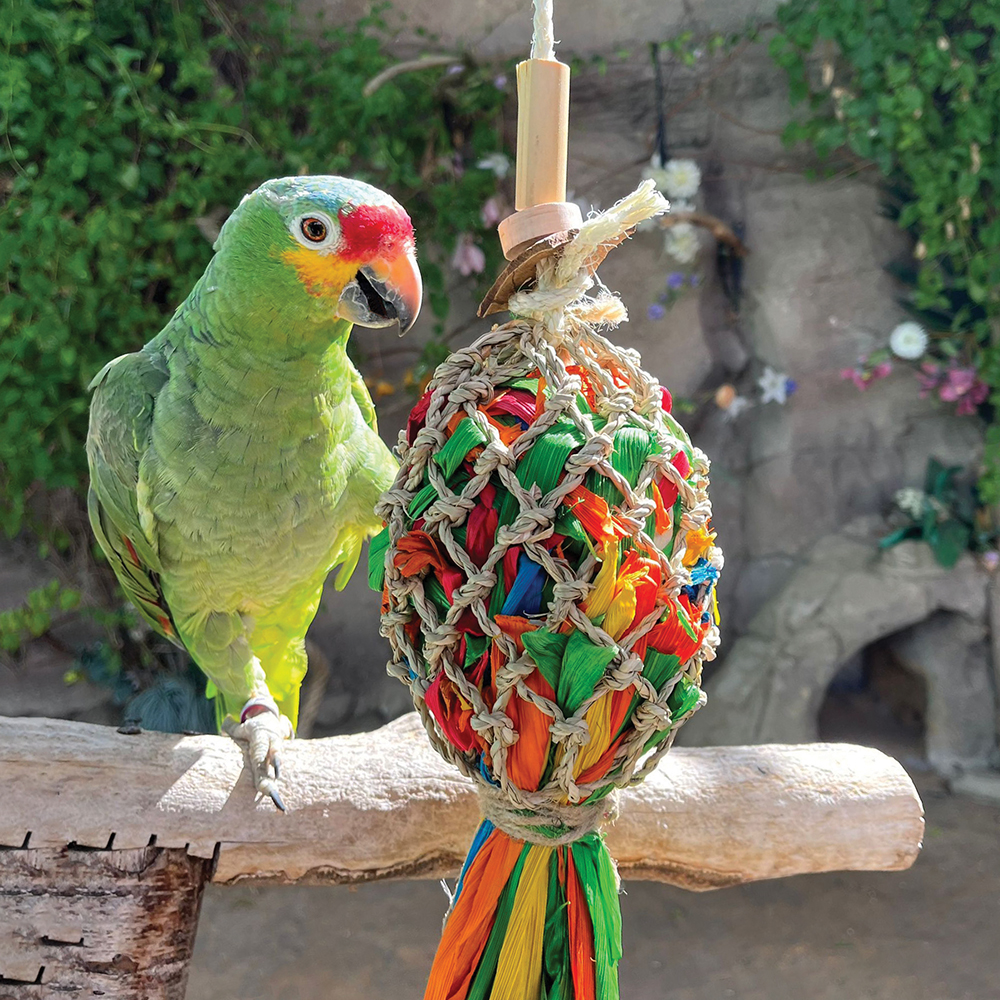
{"x":383,"y":292}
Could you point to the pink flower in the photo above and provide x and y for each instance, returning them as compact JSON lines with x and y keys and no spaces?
{"x":957,"y":383}
{"x":863,"y":376}
{"x":491,"y":212}
{"x":856,"y":376}
{"x":929,"y":378}
{"x":468,"y":257}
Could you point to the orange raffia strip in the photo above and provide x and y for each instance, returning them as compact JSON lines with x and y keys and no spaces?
{"x":540,"y":398}
{"x":594,"y":514}
{"x":469,"y":925}
{"x":415,"y":551}
{"x":581,"y":934}
{"x":508,"y":435}
{"x":527,"y":757}
{"x":588,"y":386}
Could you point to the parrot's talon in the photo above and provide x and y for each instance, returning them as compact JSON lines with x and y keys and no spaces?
{"x":263,"y":735}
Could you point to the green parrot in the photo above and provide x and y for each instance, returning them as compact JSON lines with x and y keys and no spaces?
{"x":234,"y":459}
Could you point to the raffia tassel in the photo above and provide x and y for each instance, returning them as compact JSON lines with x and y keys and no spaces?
{"x":605,"y":310}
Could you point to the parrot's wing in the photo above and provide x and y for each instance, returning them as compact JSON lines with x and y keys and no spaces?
{"x":363,"y":398}
{"x":121,"y":419}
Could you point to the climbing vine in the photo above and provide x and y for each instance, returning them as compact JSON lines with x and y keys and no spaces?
{"x":128,"y":131}
{"x":911,"y":87}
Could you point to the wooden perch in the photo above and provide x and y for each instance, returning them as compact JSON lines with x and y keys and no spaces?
{"x":383,"y":805}
{"x":110,"y":838}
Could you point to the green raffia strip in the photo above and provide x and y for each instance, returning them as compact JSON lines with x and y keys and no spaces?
{"x":583,"y":665}
{"x":557,"y":973}
{"x":376,"y":559}
{"x":467,"y":435}
{"x":600,"y":887}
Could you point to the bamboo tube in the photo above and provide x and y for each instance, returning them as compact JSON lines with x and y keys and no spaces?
{"x":542,"y":149}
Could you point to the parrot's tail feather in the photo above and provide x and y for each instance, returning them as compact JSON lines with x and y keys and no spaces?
{"x":530,"y":921}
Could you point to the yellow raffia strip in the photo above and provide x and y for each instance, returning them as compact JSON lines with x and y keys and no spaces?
{"x":519,"y":968}
{"x":604,"y":584}
{"x":699,"y":542}
{"x":598,"y":718}
{"x":622,"y":609}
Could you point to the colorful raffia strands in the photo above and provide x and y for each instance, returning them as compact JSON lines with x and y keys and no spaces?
{"x":548,"y":570}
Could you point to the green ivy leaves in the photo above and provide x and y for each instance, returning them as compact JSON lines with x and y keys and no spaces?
{"x":911,"y":85}
{"x":124,"y":125}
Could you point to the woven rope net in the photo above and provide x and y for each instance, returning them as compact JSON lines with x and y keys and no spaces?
{"x":548,"y":565}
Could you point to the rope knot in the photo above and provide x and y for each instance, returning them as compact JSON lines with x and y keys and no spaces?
{"x":551,"y":825}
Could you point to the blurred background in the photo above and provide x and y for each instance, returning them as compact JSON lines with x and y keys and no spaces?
{"x":824,"y":307}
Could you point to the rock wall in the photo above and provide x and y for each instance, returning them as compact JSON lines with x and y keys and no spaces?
{"x":816,"y":295}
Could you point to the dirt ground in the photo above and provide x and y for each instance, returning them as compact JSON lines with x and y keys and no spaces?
{"x":931,"y":933}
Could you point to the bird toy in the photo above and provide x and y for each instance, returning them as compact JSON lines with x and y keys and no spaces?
{"x":548,"y":571}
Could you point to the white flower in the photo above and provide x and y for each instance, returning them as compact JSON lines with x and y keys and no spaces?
{"x":678,"y":179}
{"x":499,"y":163}
{"x":735,"y":408}
{"x":682,"y":178}
{"x":911,"y":501}
{"x":682,"y":243}
{"x":680,"y":205}
{"x":655,"y":172}
{"x":908,"y":341}
{"x":773,"y":386}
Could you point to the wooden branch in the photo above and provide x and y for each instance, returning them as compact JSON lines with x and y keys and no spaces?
{"x":410,"y":66}
{"x":719,"y":229}
{"x":383,"y":805}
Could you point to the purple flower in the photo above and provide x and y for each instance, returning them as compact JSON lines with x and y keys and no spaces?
{"x":695,"y":280}
{"x":675,"y":279}
{"x":656,"y":311}
{"x":455,"y":68}
{"x":500,"y":81}
{"x":791,"y":387}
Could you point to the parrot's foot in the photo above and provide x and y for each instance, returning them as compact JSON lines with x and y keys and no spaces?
{"x":263,"y":729}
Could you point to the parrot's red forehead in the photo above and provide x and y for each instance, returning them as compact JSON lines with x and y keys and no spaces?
{"x":373,"y":230}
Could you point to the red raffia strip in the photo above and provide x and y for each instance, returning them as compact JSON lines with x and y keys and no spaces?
{"x":452,"y":713}
{"x":469,"y":924}
{"x":581,"y":934}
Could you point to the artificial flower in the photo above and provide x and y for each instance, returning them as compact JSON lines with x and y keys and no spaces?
{"x":908,"y":341}
{"x":468,"y":257}
{"x":681,"y":179}
{"x":682,"y":243}
{"x":498,"y":163}
{"x":774,"y":386}
{"x":736,"y":407}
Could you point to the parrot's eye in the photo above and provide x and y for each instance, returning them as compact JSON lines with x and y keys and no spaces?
{"x":315,"y":230}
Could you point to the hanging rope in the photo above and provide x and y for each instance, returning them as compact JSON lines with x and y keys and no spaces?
{"x":543,"y":42}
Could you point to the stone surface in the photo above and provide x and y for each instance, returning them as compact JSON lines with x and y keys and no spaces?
{"x":950,"y":652}
{"x":844,"y":596}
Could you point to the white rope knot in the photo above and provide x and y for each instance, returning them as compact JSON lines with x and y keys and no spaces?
{"x":550,"y":825}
